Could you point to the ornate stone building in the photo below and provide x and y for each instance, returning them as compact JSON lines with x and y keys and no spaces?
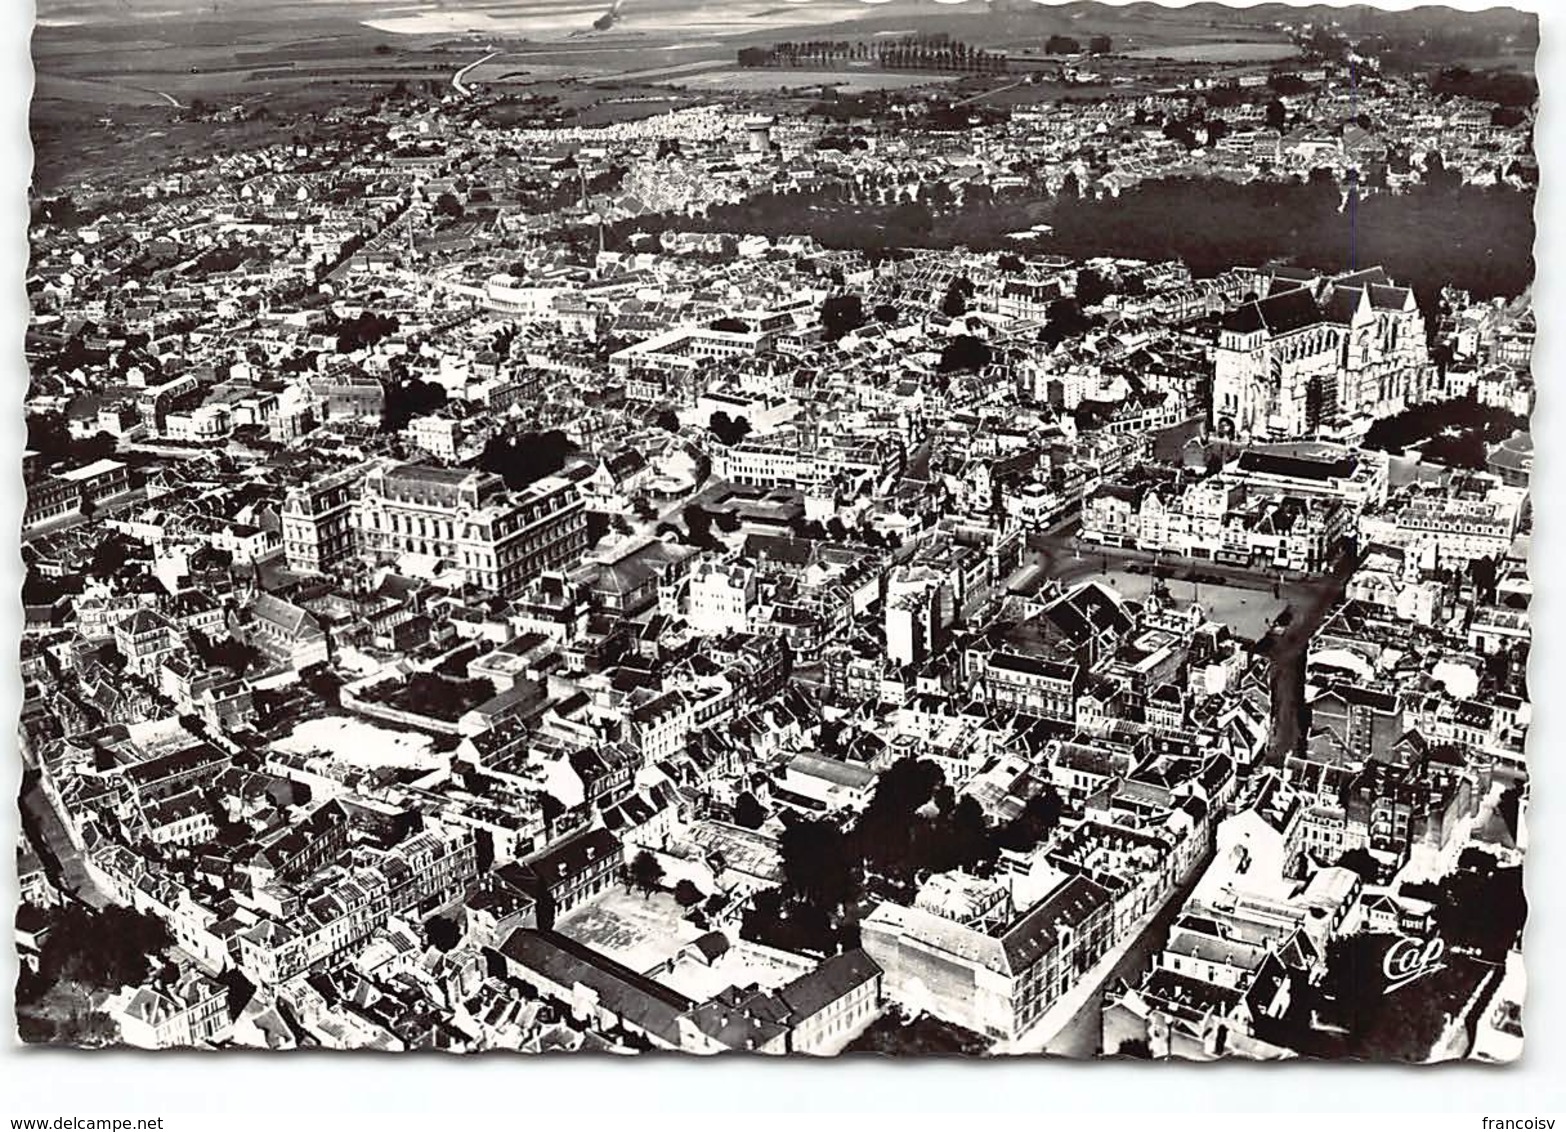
{"x":1315,"y":353}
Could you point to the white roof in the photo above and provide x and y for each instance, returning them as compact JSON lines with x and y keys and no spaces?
{"x":98,"y":468}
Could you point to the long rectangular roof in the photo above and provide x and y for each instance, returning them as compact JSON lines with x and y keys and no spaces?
{"x":647,"y":1004}
{"x":1298,"y":467}
{"x":1278,"y":313}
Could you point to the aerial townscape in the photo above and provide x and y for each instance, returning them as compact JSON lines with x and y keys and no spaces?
{"x":981,"y":529}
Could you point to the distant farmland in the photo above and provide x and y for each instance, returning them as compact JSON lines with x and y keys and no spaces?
{"x":779,"y":78}
{"x":93,"y":92}
{"x":1218,"y":52}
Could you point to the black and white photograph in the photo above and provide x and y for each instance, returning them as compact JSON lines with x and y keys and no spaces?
{"x":934,"y":530}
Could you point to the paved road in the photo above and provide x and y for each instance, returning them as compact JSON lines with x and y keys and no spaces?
{"x":1311,"y":607}
{"x":1079,"y":1033}
{"x":990,"y":93}
{"x":456,"y":80}
{"x":46,"y":831}
{"x":1059,"y":552}
{"x":1083,"y":1034}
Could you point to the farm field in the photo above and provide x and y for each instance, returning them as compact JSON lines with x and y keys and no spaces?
{"x":653,"y":39}
{"x":96,"y":91}
{"x":1218,"y":52}
{"x":788,"y":78}
{"x":138,"y":61}
{"x":1044,"y":90}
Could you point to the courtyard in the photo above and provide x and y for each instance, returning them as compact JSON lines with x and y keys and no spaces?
{"x":742,"y":965}
{"x":642,"y":932}
{"x":359,"y":743}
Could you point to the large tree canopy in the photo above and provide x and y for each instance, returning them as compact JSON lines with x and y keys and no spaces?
{"x":524,"y":459}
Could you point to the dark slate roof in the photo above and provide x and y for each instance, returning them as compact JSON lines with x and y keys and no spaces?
{"x":1297,"y":467}
{"x":566,"y":859}
{"x":1069,"y":906}
{"x":649,"y":1005}
{"x":835,"y":979}
{"x":1365,"y":697}
{"x":1277,"y":313}
{"x":1087,"y":610}
{"x":1385,"y":297}
{"x":1368,"y":275}
{"x":1193,"y":995}
{"x":780,"y":549}
{"x":1342,"y":304}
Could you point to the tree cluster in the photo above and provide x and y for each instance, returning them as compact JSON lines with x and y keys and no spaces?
{"x":728,"y":430}
{"x":103,"y":950}
{"x":1455,"y":433}
{"x":964,"y":354}
{"x":840,"y":315}
{"x":909,"y":53}
{"x":1480,"y":905}
{"x":428,"y":694}
{"x":1486,"y":246}
{"x":955,"y":304}
{"x":49,"y":436}
{"x":409,"y":398}
{"x":363,"y":330}
{"x":915,"y":826}
{"x":1504,"y":88}
{"x":698,"y":527}
{"x":527,"y":458}
{"x":235,"y":655}
{"x":110,"y":556}
{"x":644,"y":873}
{"x":749,"y":812}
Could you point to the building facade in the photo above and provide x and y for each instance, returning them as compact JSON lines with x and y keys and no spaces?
{"x":500,"y":540}
{"x":318,"y":521}
{"x":1315,"y":351}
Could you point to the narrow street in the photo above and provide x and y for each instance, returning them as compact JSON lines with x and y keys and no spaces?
{"x":1073,"y":1027}
{"x":46,"y":831}
{"x":1287,"y":657}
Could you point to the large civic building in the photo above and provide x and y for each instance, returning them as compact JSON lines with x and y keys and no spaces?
{"x":501,"y":540}
{"x":1314,"y":352}
{"x":318,"y":521}
{"x":985,"y":969}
